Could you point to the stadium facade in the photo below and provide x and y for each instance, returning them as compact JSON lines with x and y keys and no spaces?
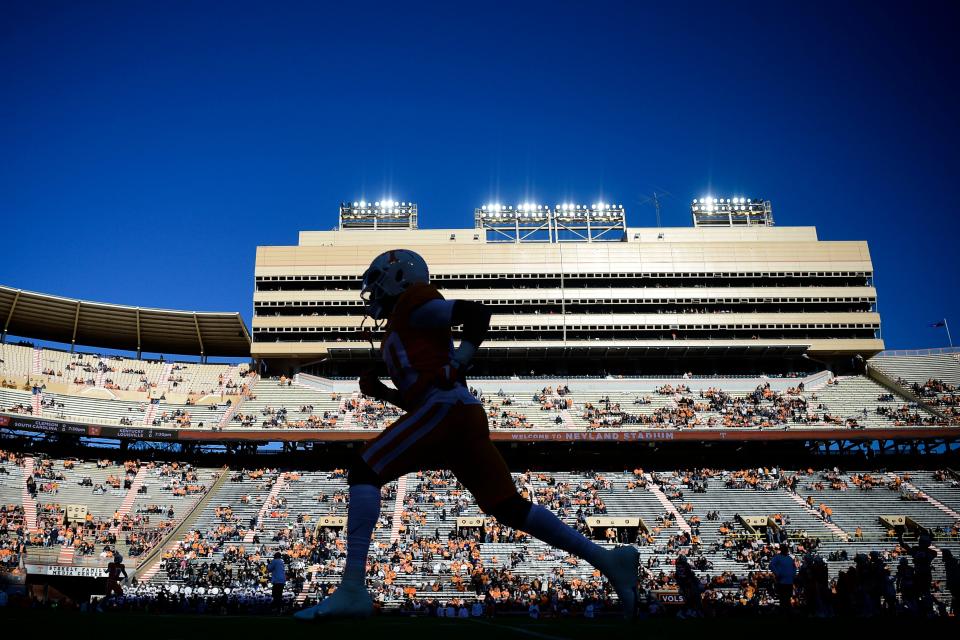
{"x":577,"y":291}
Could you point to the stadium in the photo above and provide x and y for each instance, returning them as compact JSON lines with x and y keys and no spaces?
{"x":558,"y":320}
{"x":702,"y":393}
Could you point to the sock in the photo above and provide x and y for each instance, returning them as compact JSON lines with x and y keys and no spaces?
{"x":362,"y":517}
{"x":542,"y":524}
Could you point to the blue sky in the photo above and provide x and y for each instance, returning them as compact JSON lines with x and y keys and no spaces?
{"x":147,"y":148}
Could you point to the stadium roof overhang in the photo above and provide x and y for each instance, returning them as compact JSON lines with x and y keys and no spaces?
{"x":112,"y":326}
{"x":678,"y":350}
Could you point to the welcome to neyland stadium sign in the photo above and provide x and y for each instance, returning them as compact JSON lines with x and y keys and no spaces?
{"x":591,"y":436}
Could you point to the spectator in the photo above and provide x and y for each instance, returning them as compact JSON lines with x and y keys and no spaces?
{"x":278,"y":579}
{"x":784,"y":570}
{"x":923,"y":557}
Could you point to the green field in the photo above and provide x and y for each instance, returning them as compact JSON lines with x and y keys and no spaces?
{"x":171,"y":627}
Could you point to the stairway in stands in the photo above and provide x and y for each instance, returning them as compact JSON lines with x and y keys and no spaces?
{"x":37,"y":361}
{"x":349,"y":418}
{"x":667,"y":505}
{"x":101,"y":374}
{"x":154,"y":560}
{"x":228,"y":415}
{"x":154,"y":568}
{"x":127,"y":505}
{"x":232,"y":374}
{"x":398,"y":507}
{"x":834,"y":529}
{"x":29,"y":503}
{"x":278,"y":485}
{"x":149,"y":414}
{"x":568,"y":422}
{"x":307,"y":587}
{"x":66,"y":554}
{"x":37,"y":409}
{"x":163,"y":384}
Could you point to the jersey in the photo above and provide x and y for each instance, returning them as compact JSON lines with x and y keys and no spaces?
{"x":415,"y":355}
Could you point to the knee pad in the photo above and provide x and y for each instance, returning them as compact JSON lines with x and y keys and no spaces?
{"x":361,"y":473}
{"x":512,"y":511}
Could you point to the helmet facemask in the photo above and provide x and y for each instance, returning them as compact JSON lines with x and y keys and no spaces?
{"x":388,"y":276}
{"x":378,"y":303}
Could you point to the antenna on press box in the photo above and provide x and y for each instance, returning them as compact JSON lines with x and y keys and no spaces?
{"x":655,"y":199}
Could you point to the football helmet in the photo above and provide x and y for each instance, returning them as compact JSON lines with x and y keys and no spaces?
{"x":390,"y":274}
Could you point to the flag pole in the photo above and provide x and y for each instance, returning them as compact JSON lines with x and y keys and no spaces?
{"x":947,"y":327}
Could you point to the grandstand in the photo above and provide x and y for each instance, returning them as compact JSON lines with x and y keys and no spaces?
{"x":709,"y":516}
{"x":231,"y":399}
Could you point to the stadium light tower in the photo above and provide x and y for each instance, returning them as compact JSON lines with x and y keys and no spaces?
{"x":567,"y":222}
{"x":380,"y":214}
{"x":731,"y":212}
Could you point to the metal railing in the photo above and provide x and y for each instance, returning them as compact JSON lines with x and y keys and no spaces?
{"x":934,"y":351}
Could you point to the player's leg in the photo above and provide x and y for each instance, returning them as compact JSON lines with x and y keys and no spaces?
{"x":394,"y":452}
{"x":351,"y":598}
{"x":383,"y":459}
{"x":479,"y":466}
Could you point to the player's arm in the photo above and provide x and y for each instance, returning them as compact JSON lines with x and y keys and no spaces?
{"x":370,"y":385}
{"x":474,"y":316}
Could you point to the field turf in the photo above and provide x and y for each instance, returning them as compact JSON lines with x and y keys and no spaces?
{"x":173,"y":627}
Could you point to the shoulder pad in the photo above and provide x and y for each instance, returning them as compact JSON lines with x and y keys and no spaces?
{"x":412,"y":298}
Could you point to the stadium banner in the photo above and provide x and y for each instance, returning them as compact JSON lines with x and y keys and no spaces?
{"x":90,"y":430}
{"x":133,"y":433}
{"x":638,"y":436}
{"x":47,"y":426}
{"x":65,"y":570}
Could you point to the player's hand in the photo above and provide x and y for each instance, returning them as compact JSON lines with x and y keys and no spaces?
{"x":370,"y":384}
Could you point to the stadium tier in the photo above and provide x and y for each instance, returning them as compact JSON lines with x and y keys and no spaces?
{"x":574,"y":290}
{"x":84,"y":388}
{"x":918,"y":367}
{"x":77,"y":373}
{"x":203,"y":530}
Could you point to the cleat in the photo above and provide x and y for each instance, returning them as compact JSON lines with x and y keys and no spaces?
{"x":621,"y":571}
{"x":346,"y":602}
